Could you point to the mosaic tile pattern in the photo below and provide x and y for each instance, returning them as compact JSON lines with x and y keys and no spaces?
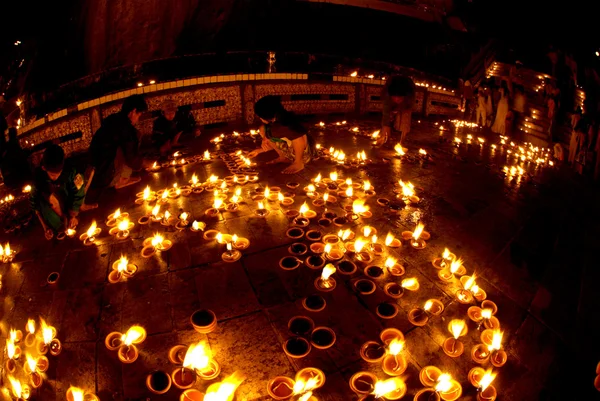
{"x":311,"y":106}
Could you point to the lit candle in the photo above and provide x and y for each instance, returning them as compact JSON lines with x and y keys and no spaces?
{"x":333,"y":176}
{"x":452,"y":346}
{"x":325,"y":282}
{"x":416,"y":242}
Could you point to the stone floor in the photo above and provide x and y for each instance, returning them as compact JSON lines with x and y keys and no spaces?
{"x":531,"y":243}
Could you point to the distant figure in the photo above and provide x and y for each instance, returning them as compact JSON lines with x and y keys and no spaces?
{"x":186,"y":122}
{"x":398,"y":98}
{"x":114,"y":148}
{"x":489,"y":107}
{"x":481,"y":112}
{"x":518,"y":106}
{"x":15,"y":167}
{"x":57,"y":193}
{"x":499,"y":126}
{"x":165,"y":130}
{"x":282,"y":132}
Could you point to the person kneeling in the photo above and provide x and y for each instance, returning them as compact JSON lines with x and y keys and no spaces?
{"x":282,"y":132}
{"x":57,"y":192}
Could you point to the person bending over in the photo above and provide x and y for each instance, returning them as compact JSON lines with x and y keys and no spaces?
{"x":166,"y":130}
{"x":57,"y":192}
{"x":398,"y":98}
{"x":115,"y":146}
{"x":282,"y":132}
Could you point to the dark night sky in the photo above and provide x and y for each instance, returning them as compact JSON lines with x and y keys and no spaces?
{"x":50,"y":33}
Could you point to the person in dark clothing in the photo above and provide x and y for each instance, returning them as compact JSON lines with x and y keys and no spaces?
{"x":115,"y":146}
{"x":15,"y":167}
{"x":282,"y":132}
{"x":57,"y":192}
{"x":397,"y":98}
{"x":165,"y":130}
{"x":186,"y":123}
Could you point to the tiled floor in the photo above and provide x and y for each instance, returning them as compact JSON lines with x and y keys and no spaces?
{"x":530,"y":244}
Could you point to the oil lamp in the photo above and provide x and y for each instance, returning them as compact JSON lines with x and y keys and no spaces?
{"x":7,"y":254}
{"x":482,"y":380}
{"x":19,"y":391}
{"x":444,"y":261}
{"x":452,"y":346}
{"x":456,"y":267}
{"x":198,"y":226}
{"x":399,"y":150}
{"x":390,"y":389}
{"x":394,"y":364}
{"x":77,"y":394}
{"x":89,"y":236}
{"x":231,"y":255}
{"x":30,"y":337}
{"x":325,"y":282}
{"x":261,"y":211}
{"x":128,"y":352}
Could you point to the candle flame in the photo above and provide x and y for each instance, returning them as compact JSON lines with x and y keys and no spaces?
{"x":408,"y":189}
{"x":418,"y":231}
{"x":327,"y":248}
{"x":333,"y":176}
{"x":31,"y":362}
{"x":77,"y":393}
{"x":374,"y":239}
{"x":206,"y":155}
{"x":238,"y":191}
{"x":225,"y":389}
{"x":235,"y":179}
{"x":428,"y":305}
{"x":133,"y":334}
{"x":317,"y":178}
{"x":446,"y":254}
{"x":367,"y":230}
{"x":470,"y":282}
{"x":197,"y":356}
{"x":349,"y":192}
{"x":7,"y":250}
{"x":261,"y":205}
{"x":422,"y":152}
{"x":164,"y":195}
{"x":123,"y":225}
{"x":496,"y":340}
{"x":455,"y":265}
{"x":218,"y":202}
{"x":10,"y":348}
{"x":183,"y":216}
{"x":16,"y":386}
{"x":456,"y":327}
{"x":409,"y":282}
{"x":267,"y":192}
{"x":348,"y":181}
{"x":311,"y":188}
{"x":486,"y":313}
{"x":390,"y":262}
{"x":444,"y":383}
{"x":395,"y":346}
{"x":375,"y":134}
{"x":235,"y":199}
{"x":487,"y":379}
{"x":167,"y":215}
{"x":358,"y":206}
{"x":213,"y":178}
{"x":155,"y":210}
{"x":354,"y":74}
{"x":195,"y":179}
{"x":92,"y":230}
{"x":386,"y":386}
{"x":325,"y":197}
{"x":367,"y":185}
{"x":157,"y":240}
{"x":399,"y":150}
{"x":301,"y":386}
{"x":30,"y":326}
{"x":117,"y":214}
{"x":346,"y":234}
{"x":359,"y":245}
{"x":122,"y":265}
{"x":280,"y":197}
{"x":229,"y":247}
{"x":47,"y":332}
{"x":328,"y":270}
{"x":304,"y":208}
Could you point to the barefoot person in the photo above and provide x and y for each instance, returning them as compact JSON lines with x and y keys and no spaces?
{"x":282,"y":132}
{"x":114,"y":147}
{"x":57,"y":192}
{"x":398,"y":98}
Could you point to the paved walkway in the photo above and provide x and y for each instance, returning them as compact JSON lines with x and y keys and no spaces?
{"x":530,"y":243}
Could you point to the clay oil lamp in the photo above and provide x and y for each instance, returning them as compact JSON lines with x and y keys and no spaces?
{"x":284,"y":201}
{"x":306,"y":212}
{"x":69,"y":233}
{"x":290,"y":263}
{"x":444,"y":261}
{"x":383,"y":202}
{"x":394,"y":364}
{"x":314,"y":303}
{"x":159,"y":382}
{"x":292,"y":185}
{"x":154,"y":167}
{"x":393,"y":267}
{"x":391,"y":241}
{"x":121,"y":268}
{"x":20,"y":391}
{"x":35,"y":367}
{"x":162,"y":196}
{"x":280,"y":388}
{"x":145,"y":197}
{"x":174,"y":192}
{"x":465,"y":295}
{"x":128,"y":352}
{"x":231,"y":255}
{"x":204,"y":321}
{"x":198,"y":226}
{"x":30,"y":329}
{"x":322,"y":338}
{"x":407,"y":192}
{"x":363,"y":383}
{"x":410,"y":284}
{"x":490,"y":349}
{"x":198,"y":362}
{"x":359,"y":209}
{"x":325,"y":282}
{"x":452,"y":346}
{"x":114,"y":218}
{"x":368,"y":189}
{"x":313,"y":235}
{"x":364,"y":286}
{"x":345,"y":235}
{"x":13,"y":352}
{"x":240,"y":243}
{"x":420,"y":316}
{"x":376,"y":248}
{"x":122,"y":229}
{"x":444,"y":387}
{"x":182,"y":221}
{"x":319,"y":202}
{"x":311,"y":191}
{"x":484,"y":315}
{"x":372,"y":352}
{"x":168,"y":219}
{"x":296,"y":347}
{"x":414,"y":238}
{"x":194,"y":182}
{"x":482,"y":381}
{"x":261,"y":211}
{"x":295,"y":233}
{"x":399,"y":151}
{"x":49,"y":341}
{"x":346,"y":267}
{"x":77,"y":394}
{"x":390,"y":389}
{"x":90,"y":235}
{"x":455,"y":268}
{"x":332,"y":255}
{"x":360,"y":253}
{"x":387,"y":310}
{"x":215,"y":209}
{"x":154,"y":244}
